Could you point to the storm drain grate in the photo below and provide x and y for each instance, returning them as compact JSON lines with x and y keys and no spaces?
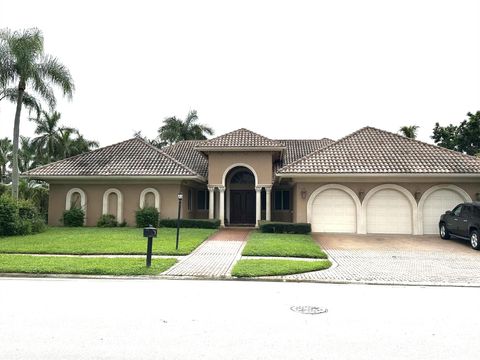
{"x":309,"y":310}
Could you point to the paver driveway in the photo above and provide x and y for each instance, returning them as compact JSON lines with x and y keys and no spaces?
{"x":395,"y":259}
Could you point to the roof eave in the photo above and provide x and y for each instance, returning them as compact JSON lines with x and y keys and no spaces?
{"x":240,"y":148}
{"x":356,"y":175}
{"x":114,"y":177}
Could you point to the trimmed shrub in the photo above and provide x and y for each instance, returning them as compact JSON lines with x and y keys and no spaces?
{"x":147,"y":216}
{"x":107,"y":220}
{"x":285,"y":227}
{"x":191,"y":223}
{"x":73,"y":217}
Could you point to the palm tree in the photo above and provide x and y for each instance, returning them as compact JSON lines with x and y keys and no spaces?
{"x":175,"y":130}
{"x":23,"y":62}
{"x":5,"y":154}
{"x":409,"y":131}
{"x":48,"y":143}
{"x":82,"y":145}
{"x":28,"y":100}
{"x":26,"y":154}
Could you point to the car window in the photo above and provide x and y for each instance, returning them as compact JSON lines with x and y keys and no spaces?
{"x":466,"y":210}
{"x":457,"y":210}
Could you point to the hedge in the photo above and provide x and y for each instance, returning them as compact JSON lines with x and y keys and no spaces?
{"x":191,"y":223}
{"x":74,"y":217}
{"x":284,"y":227}
{"x":19,"y":217}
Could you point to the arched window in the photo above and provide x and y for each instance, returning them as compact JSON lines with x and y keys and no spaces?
{"x":150,"y":197}
{"x":76,"y":199}
{"x":107,"y":199}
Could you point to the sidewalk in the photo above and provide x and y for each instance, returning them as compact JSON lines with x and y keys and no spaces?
{"x":215,"y":257}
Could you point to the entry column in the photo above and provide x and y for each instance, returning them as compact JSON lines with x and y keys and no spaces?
{"x":211,"y":201}
{"x":221,"y":211}
{"x":258,"y":203}
{"x":268,"y":210}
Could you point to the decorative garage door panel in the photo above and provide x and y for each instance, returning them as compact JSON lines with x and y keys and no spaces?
{"x":333,"y":210}
{"x":435,"y":205}
{"x":389,"y":212}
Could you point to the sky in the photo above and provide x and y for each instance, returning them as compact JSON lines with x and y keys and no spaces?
{"x":285,"y":69}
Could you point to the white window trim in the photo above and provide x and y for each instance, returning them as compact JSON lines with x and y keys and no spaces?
{"x":83,"y":201}
{"x":156,"y":195}
{"x":119,"y":216}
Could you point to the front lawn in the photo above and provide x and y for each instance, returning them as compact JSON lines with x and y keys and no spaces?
{"x":282,"y":245}
{"x":81,"y":265}
{"x":99,"y":241}
{"x":272,"y":267}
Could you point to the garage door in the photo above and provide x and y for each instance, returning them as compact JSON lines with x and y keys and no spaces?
{"x":435,"y":205}
{"x":333,"y":210}
{"x":389,"y":212}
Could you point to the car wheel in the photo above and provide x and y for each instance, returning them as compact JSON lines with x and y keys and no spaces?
{"x":444,"y":233}
{"x":474,"y":241}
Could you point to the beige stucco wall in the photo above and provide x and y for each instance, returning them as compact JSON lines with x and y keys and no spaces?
{"x":131,"y":197}
{"x":300,"y":204}
{"x":219,"y":162}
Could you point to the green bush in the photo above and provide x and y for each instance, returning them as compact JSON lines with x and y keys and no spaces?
{"x":107,"y":220}
{"x":147,"y":216}
{"x":9,"y":218}
{"x":73,"y":217}
{"x":19,"y":218}
{"x":191,"y":223}
{"x":285,"y":227}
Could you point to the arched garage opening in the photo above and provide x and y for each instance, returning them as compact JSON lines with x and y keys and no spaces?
{"x":434,"y":202}
{"x":333,"y":208}
{"x":390,"y":209}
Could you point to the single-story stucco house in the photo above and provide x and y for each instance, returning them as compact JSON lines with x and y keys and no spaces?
{"x":371,"y":181}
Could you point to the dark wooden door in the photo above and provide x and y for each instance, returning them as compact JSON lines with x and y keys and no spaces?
{"x":242,"y":207}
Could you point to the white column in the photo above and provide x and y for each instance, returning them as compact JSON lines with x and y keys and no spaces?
{"x":258,"y":203}
{"x":268,"y":210}
{"x":211,"y":201}
{"x":221,"y":189}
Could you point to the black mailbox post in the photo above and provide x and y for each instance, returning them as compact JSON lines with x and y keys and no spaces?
{"x":149,"y":232}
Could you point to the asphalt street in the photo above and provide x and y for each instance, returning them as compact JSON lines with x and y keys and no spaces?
{"x":183,"y":319}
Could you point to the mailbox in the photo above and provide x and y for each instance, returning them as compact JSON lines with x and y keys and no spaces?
{"x":149,"y":232}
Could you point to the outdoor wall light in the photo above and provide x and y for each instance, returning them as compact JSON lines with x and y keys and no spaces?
{"x":180,"y":196}
{"x":303,"y":193}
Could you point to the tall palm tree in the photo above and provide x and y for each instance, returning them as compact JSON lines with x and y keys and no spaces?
{"x":409,"y":131}
{"x":82,"y":145}
{"x":5,"y":155}
{"x":175,"y":130}
{"x":26,"y":154}
{"x":48,"y":141}
{"x":23,"y":62}
{"x":28,"y":101}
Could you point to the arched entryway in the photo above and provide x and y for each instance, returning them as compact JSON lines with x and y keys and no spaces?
{"x":240,"y":196}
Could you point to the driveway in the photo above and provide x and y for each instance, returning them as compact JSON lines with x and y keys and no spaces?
{"x":397,"y":259}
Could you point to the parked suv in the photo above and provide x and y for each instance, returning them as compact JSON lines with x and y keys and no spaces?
{"x":463,"y":222}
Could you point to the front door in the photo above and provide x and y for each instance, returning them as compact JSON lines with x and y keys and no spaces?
{"x":242,"y":207}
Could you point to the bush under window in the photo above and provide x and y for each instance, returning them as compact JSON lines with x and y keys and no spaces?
{"x":107,"y":220}
{"x":147,"y":216}
{"x":74,"y":217}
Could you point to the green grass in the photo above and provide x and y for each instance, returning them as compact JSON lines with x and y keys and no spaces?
{"x":271,"y":267}
{"x":81,"y":265}
{"x":99,"y":241}
{"x":283,"y":245}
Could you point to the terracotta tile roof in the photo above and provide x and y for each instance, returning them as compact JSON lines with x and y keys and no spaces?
{"x":374,"y":151}
{"x":241,"y":138}
{"x":132,"y":157}
{"x":184,"y":151}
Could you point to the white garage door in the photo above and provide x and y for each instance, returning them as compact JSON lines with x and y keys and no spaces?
{"x":333,"y":210}
{"x":435,"y":205}
{"x":389,"y":212}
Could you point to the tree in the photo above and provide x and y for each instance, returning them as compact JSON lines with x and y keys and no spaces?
{"x":23,"y":62}
{"x":26,"y":154}
{"x":175,"y":130}
{"x":5,"y":154}
{"x":28,"y":100}
{"x":464,"y":137}
{"x":409,"y":131}
{"x":56,"y":142}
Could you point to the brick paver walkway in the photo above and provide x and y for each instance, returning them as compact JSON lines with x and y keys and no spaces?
{"x":215,"y":257}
